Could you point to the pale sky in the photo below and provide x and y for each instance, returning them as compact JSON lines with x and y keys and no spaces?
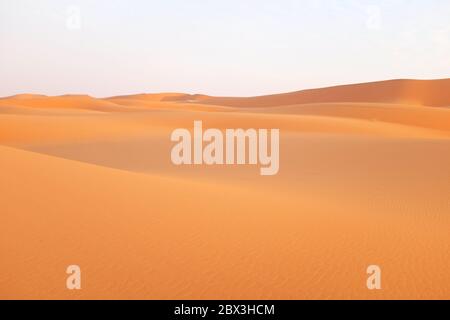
{"x":228,"y":47}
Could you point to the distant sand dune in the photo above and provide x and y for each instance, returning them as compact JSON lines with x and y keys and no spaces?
{"x":65,"y":102}
{"x":148,"y":96}
{"x":417,"y":92}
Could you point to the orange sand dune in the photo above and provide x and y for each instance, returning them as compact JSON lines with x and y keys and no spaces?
{"x":148,"y":96}
{"x":133,"y":233}
{"x":64,"y":102}
{"x":410,"y":115}
{"x":89,"y":181}
{"x":26,"y":129}
{"x":434,"y":93}
{"x":150,"y":104}
{"x":24,"y":96}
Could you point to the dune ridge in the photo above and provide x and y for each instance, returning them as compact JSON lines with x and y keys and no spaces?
{"x":433,"y":93}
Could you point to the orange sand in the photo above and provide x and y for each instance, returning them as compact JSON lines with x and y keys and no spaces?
{"x":364,"y":179}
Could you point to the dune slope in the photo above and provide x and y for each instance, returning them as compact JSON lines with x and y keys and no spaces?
{"x":416,"y":92}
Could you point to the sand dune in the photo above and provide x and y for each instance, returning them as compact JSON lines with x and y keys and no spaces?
{"x":65,"y":102}
{"x":160,"y":105}
{"x":149,"y":96}
{"x":24,"y":96}
{"x":364,"y":179}
{"x":409,"y":115}
{"x":416,"y":92}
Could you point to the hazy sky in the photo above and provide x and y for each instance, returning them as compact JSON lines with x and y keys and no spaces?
{"x":228,"y":47}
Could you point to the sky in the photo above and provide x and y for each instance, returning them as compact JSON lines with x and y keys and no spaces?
{"x":227,"y":48}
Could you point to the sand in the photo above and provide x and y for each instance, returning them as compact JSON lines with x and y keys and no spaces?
{"x":364,"y":179}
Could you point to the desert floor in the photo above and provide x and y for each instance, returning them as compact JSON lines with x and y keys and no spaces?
{"x":89,"y":181}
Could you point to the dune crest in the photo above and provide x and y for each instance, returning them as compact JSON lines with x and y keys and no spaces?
{"x":434,"y":93}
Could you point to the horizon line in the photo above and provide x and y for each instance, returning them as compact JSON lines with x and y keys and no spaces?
{"x":220,"y":96}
